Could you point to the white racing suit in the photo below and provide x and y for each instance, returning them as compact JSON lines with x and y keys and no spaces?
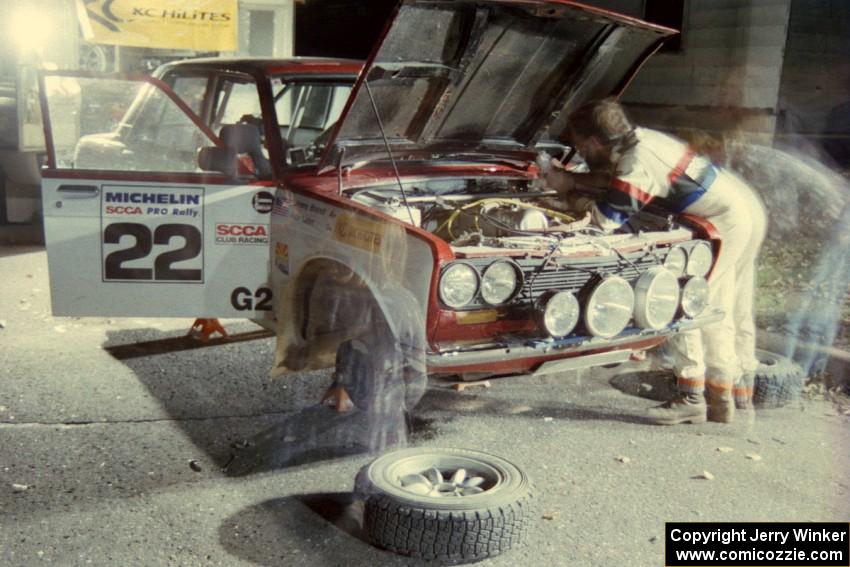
{"x":653,"y":164}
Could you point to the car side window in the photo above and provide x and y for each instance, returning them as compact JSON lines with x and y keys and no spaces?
{"x":122,"y":124}
{"x":235,"y":101}
{"x":305,"y":110}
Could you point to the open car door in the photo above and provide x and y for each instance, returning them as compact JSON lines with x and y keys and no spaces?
{"x":133,"y":225}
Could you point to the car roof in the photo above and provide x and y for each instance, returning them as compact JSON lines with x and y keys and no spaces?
{"x":269,"y":65}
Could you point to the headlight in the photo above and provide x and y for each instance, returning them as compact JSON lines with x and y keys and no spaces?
{"x":558,"y":313}
{"x":694,"y":297}
{"x":699,"y":260}
{"x":499,"y":282}
{"x":656,"y":298}
{"x":676,"y":261}
{"x":609,"y":307}
{"x":458,"y":285}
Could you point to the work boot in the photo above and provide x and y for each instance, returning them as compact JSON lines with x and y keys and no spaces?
{"x":681,"y":408}
{"x":743,"y":393}
{"x":721,"y":405}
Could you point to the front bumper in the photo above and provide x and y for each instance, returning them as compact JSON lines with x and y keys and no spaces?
{"x":512,"y":350}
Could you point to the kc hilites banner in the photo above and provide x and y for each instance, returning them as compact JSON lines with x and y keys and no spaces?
{"x":203,"y":25}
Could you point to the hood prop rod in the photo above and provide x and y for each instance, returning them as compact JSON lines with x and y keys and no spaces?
{"x":389,"y":151}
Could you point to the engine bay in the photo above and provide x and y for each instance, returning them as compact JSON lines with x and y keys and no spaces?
{"x":496,"y":215}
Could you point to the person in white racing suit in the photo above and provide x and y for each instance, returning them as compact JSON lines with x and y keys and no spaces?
{"x":638,"y":165}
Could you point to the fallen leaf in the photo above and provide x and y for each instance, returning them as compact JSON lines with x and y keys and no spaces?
{"x":725,"y":449}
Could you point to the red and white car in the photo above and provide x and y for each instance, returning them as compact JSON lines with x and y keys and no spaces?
{"x":369,"y":206}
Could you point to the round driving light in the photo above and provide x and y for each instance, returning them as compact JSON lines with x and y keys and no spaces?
{"x":558,"y":313}
{"x":699,"y":260}
{"x":694,"y":297}
{"x":676,"y":261}
{"x":656,"y":298}
{"x":499,"y":282}
{"x":609,"y":306}
{"x":458,"y":285}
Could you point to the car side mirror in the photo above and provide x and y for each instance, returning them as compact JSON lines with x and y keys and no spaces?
{"x":218,"y":159}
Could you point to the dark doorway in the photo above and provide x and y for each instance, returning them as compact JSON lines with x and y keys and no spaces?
{"x":339,"y":28}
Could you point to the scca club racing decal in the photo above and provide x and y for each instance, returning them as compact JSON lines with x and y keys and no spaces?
{"x":152,"y":234}
{"x":241,"y":233}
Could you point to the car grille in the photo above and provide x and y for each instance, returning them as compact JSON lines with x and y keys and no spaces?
{"x":573,"y":275}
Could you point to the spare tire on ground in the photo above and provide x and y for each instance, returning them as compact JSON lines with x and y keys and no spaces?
{"x":778,"y":380}
{"x":447,"y":505}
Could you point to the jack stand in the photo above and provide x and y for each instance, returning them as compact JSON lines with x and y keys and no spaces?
{"x":204,"y":328}
{"x":461,"y":386}
{"x":337,"y":398}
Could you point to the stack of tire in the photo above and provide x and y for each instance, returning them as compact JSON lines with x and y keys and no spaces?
{"x":778,"y":380}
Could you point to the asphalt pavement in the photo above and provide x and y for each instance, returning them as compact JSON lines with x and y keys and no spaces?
{"x":173,"y":454}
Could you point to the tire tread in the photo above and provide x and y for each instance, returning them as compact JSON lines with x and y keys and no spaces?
{"x":448,"y":537}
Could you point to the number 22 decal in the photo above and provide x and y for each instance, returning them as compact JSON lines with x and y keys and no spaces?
{"x":144,"y":241}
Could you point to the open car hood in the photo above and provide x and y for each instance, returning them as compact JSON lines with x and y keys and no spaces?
{"x":487,"y":77}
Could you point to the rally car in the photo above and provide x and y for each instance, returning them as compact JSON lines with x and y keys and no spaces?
{"x":368,"y":209}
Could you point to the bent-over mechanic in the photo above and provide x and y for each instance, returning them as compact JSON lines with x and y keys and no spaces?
{"x":636,"y":165}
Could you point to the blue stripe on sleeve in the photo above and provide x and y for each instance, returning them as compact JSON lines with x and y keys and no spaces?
{"x":613,"y":214}
{"x":709,"y":174}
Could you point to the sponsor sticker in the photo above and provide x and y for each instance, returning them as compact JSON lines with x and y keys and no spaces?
{"x":283,"y":204}
{"x":242,"y":233}
{"x":152,"y":235}
{"x":124,"y":202}
{"x":281,"y":257}
{"x":359,"y":232}
{"x":263,"y":202}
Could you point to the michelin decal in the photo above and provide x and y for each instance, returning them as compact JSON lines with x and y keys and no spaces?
{"x":152,"y":235}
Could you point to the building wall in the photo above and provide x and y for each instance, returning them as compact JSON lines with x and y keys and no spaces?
{"x":727,"y":74}
{"x":266,"y":28}
{"x":816,"y":72}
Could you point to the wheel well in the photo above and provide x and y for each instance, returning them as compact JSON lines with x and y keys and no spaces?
{"x":331,"y":304}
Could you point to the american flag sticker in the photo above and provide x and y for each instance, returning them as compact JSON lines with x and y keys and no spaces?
{"x":283,"y":203}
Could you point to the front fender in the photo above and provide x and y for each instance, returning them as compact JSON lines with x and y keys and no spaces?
{"x":328,"y":303}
